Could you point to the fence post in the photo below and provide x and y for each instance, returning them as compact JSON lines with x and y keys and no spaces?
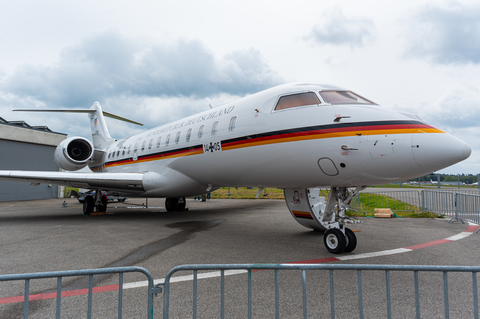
{"x":422,"y":198}
{"x":456,"y":218}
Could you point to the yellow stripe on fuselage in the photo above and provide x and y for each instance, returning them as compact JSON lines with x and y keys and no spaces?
{"x":330,"y":135}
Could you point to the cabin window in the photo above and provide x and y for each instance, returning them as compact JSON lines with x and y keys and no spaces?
{"x":297,"y":100}
{"x":129,"y":147}
{"x":189,"y":133}
{"x":167,"y":140}
{"x":343,"y":97}
{"x":123,"y":151}
{"x":109,"y":154}
{"x":143,"y":145}
{"x":215,"y":128}
{"x":150,"y":144}
{"x":200,"y":131}
{"x":136,"y":145}
{"x":177,"y":138}
{"x":233,"y":121}
{"x":159,"y":141}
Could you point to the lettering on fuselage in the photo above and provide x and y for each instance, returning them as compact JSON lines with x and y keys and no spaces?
{"x":198,"y":119}
{"x":212,"y":147}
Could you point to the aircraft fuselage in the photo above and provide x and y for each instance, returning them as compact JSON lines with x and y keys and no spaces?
{"x":252,"y":142}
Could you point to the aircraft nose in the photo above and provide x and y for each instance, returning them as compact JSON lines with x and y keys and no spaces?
{"x":434,"y":151}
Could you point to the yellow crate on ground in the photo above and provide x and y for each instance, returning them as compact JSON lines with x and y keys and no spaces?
{"x":383,"y":213}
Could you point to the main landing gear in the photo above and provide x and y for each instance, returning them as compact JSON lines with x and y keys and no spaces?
{"x":310,"y":210}
{"x":97,"y":202}
{"x":173,"y":204}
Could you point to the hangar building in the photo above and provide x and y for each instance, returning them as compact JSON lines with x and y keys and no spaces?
{"x":26,"y":147}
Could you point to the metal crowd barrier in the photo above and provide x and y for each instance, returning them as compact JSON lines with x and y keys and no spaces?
{"x":461,"y":190}
{"x":331,"y":301}
{"x":468,"y":207}
{"x":439,"y":202}
{"x":360,"y":270}
{"x":401,"y":201}
{"x":86,"y":272}
{"x":459,"y":205}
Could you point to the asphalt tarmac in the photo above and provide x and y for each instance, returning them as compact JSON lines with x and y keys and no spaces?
{"x":39,"y":236}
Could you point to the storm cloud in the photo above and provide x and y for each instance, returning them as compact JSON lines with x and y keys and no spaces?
{"x":111,"y":65}
{"x":448,"y":35}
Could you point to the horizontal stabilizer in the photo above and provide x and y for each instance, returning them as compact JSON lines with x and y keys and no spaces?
{"x":91,"y":111}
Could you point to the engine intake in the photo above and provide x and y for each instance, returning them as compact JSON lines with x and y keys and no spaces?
{"x":73,"y":153}
{"x":78,"y":150}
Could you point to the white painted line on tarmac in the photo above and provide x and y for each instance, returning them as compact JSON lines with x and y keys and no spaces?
{"x":204,"y":275}
{"x":375,"y":254}
{"x":459,"y":236}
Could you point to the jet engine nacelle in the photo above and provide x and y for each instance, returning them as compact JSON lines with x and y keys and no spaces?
{"x":73,"y":153}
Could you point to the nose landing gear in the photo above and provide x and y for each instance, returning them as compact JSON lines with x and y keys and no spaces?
{"x":310,"y":210}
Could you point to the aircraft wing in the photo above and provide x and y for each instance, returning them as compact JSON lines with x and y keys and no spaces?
{"x":121,"y":182}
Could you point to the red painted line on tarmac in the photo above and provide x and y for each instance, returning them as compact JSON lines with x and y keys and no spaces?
{"x":53,"y":295}
{"x":472,"y":228}
{"x":432,"y":243}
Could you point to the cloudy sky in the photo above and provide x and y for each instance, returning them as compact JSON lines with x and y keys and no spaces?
{"x":156,"y":61}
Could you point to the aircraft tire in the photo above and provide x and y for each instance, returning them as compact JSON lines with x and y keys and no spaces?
{"x":88,"y":205}
{"x":351,"y":240}
{"x":334,"y":241}
{"x":103,"y":205}
{"x":171,"y":204}
{"x":181,"y":203}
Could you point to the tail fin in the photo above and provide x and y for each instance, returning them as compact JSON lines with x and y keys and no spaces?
{"x":100,"y":135}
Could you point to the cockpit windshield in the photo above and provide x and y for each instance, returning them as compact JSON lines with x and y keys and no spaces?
{"x":296,"y":100}
{"x":343,"y":97}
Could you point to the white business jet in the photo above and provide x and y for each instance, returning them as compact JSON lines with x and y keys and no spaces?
{"x":297,"y":137}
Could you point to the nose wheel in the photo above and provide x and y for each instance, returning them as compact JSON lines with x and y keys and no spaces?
{"x":351,"y":240}
{"x":337,"y":242}
{"x":310,"y":210}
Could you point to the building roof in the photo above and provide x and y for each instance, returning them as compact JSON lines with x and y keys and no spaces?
{"x":21,"y":131}
{"x":26,"y":125}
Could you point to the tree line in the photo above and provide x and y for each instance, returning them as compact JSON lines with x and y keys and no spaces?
{"x":463,"y":178}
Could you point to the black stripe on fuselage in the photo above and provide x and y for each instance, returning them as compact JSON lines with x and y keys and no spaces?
{"x":157,"y":154}
{"x":358,"y":125}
